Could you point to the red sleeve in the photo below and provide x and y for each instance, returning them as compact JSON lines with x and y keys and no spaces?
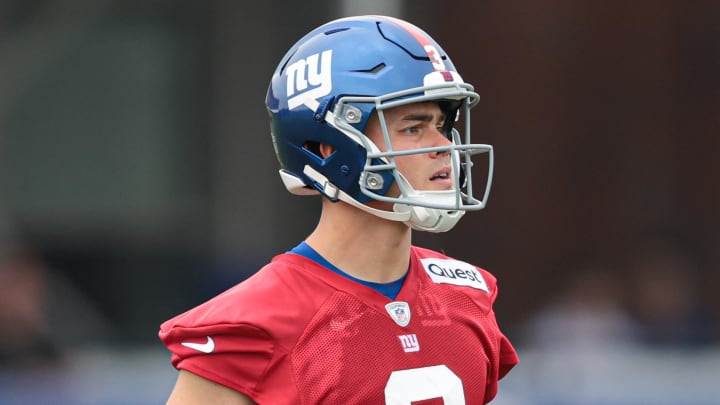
{"x":240,"y":338}
{"x":233,"y":355}
{"x":508,"y":357}
{"x":505,"y":357}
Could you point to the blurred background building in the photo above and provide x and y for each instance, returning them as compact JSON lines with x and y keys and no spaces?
{"x":137,"y":178}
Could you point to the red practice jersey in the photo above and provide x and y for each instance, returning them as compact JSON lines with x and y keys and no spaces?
{"x":298,"y":333}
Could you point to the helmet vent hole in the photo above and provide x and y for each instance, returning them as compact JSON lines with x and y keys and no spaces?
{"x":373,"y":70}
{"x":313,"y":147}
{"x":316,"y":150}
{"x":335,"y":31}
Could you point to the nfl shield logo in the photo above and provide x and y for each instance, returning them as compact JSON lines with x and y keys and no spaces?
{"x":399,"y":311}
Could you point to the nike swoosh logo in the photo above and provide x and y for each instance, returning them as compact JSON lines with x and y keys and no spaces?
{"x":206,"y":347}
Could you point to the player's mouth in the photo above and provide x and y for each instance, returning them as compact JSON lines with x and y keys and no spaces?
{"x":442,"y":176}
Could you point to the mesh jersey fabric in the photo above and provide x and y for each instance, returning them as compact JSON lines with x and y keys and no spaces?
{"x":297,"y":333}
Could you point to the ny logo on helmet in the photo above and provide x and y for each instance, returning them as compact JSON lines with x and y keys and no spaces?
{"x":315,"y":71}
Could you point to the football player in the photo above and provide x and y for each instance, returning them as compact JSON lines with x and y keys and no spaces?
{"x":362,"y":112}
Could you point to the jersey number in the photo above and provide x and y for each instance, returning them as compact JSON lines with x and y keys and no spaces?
{"x":417,"y":384}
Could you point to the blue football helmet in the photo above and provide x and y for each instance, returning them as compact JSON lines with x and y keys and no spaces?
{"x":327,"y":87}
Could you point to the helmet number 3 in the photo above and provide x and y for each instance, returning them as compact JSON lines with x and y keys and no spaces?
{"x":417,"y":384}
{"x":435,"y":57}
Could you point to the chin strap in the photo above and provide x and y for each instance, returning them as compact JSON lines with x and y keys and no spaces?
{"x":418,"y":218}
{"x":333,"y":192}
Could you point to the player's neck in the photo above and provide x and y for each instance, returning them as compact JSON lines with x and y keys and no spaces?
{"x":361,"y":244}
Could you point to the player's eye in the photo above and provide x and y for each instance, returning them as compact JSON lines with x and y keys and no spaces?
{"x":412,"y":130}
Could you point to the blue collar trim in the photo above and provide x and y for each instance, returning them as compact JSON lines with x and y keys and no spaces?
{"x":390,"y":290}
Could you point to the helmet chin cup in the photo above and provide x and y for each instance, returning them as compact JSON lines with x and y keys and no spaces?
{"x":431,"y":219}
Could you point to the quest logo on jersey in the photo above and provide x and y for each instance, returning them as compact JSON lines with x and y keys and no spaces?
{"x":315,"y":72}
{"x":449,"y":271}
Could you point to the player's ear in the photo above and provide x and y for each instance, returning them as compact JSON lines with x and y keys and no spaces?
{"x":326,"y":150}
